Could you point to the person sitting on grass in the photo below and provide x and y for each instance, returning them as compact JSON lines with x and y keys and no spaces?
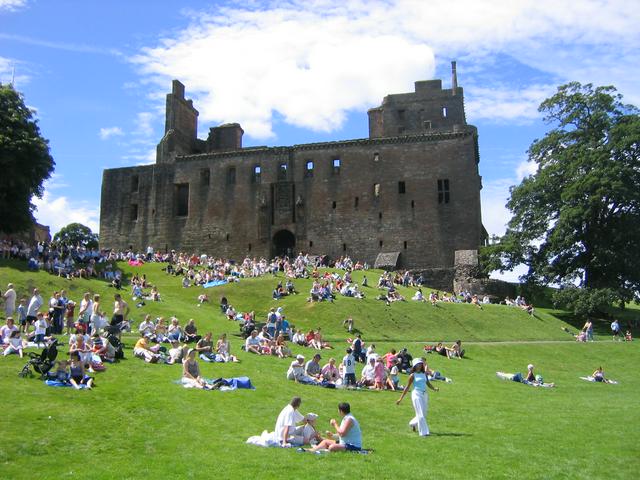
{"x":367,"y":377}
{"x":174,"y":332}
{"x":205,"y":348}
{"x":330,"y":372}
{"x":191,"y":332}
{"x":252,"y":343}
{"x":456,"y":350}
{"x":297,"y":373}
{"x":299,"y":338}
{"x":313,"y":368}
{"x":348,"y":432}
{"x":287,"y":421}
{"x":281,"y":348}
{"x":143,"y":350}
{"x":223,"y":349}
{"x":77,"y":376}
{"x":307,"y":433}
{"x":628,"y":337}
{"x":15,"y":344}
{"x":598,"y":376}
{"x":191,"y":372}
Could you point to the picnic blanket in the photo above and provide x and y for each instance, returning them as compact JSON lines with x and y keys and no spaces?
{"x":136,"y":263}
{"x":214,"y":283}
{"x":58,"y":383}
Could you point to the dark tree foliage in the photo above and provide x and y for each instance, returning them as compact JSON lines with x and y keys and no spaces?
{"x":76,"y":234}
{"x":577,"y":219}
{"x":25,"y":162}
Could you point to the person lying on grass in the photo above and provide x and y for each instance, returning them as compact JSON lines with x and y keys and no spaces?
{"x":529,"y":379}
{"x":349,"y":435}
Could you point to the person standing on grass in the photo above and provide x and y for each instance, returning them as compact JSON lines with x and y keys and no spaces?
{"x":120,"y":310}
{"x":419,"y":397}
{"x":34,"y":305}
{"x":615,"y":329}
{"x":9,"y":301}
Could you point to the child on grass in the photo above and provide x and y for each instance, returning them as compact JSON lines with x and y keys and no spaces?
{"x":15,"y":344}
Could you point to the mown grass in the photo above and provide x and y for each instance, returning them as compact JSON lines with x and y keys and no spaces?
{"x":138,"y":424}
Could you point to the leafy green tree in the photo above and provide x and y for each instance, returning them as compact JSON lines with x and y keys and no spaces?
{"x":25,"y":161}
{"x":76,"y":234}
{"x":577,"y":219}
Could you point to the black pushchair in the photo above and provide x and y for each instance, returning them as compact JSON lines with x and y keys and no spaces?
{"x":113,"y":337}
{"x":41,"y":363}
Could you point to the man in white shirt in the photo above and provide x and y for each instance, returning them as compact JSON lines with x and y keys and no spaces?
{"x":147,"y":326}
{"x":34,"y":305}
{"x":349,"y":364}
{"x":368,"y":373}
{"x":287,"y":420}
{"x":252,"y":343}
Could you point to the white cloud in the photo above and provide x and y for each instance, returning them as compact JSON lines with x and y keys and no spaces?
{"x":57,"y":211}
{"x":314,"y":61}
{"x":142,"y":157}
{"x":526,"y":168}
{"x":144,"y":124}
{"x":12,"y":5}
{"x":108,"y":132}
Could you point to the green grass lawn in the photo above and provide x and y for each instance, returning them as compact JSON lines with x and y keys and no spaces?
{"x":138,"y":424}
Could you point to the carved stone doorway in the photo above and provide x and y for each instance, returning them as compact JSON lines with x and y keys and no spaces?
{"x":284,"y":243}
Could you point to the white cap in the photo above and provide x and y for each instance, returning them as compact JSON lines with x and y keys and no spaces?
{"x":310,"y":416}
{"x":300,"y":357}
{"x":530,"y":366}
{"x":417,"y":361}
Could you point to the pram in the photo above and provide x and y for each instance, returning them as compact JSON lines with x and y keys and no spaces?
{"x":41,"y":363}
{"x":113,"y":337}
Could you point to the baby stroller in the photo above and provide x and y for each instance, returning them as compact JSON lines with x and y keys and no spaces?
{"x":41,"y":363}
{"x":113,"y":337}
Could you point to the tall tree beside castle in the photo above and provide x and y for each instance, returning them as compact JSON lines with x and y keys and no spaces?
{"x":577,"y":219}
{"x":25,"y":161}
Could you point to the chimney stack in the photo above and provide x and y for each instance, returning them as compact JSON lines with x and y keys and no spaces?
{"x":454,"y":78}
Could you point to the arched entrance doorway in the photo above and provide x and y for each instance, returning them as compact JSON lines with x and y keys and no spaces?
{"x":284,"y":243}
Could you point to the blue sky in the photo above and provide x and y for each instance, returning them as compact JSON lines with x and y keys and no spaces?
{"x":296,"y":72}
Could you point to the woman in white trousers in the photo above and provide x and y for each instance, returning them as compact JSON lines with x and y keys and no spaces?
{"x":419,"y":397}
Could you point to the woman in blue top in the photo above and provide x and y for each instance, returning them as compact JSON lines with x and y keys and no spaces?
{"x":418,"y":379}
{"x":348,"y":432}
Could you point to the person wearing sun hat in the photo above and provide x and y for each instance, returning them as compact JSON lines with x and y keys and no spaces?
{"x":419,"y":397}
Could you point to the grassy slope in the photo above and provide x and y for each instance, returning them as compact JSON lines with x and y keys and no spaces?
{"x":137,"y":423}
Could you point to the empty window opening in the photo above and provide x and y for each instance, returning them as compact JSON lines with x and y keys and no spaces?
{"x":182,"y":199}
{"x":308,"y":172}
{"x":376,"y":190}
{"x":402,"y":188}
{"x":209,"y":236}
{"x":405,"y":244}
{"x":336,"y":166}
{"x":231,"y":176}
{"x":257,"y":174}
{"x":135,"y":183}
{"x":134,"y":212}
{"x":249,"y":248}
{"x":376,"y":156}
{"x":310,"y":243}
{"x":443,"y":190}
{"x":401,"y":115}
{"x":355,"y":202}
{"x":380,"y":243}
{"x":379,"y":215}
{"x":333,"y":204}
{"x":282,"y":171}
{"x":344,"y":247}
{"x":426,"y":124}
{"x":444,"y":112}
{"x":205,"y":177}
{"x":413,"y":204}
{"x":228,"y":236}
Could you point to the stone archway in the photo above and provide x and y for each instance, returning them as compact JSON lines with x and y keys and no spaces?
{"x":284,"y":243}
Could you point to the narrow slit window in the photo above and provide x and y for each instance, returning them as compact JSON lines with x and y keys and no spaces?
{"x":443,"y":190}
{"x":380,"y":243}
{"x":333,"y":204}
{"x":355,"y":202}
{"x":134,"y":212}
{"x":379,"y":215}
{"x":444,"y":112}
{"x":405,"y":244}
{"x":249,"y":248}
{"x":310,"y":243}
{"x":228,"y":236}
{"x":376,"y":190}
{"x":344,"y":247}
{"x":413,"y":204}
{"x":308,"y":172}
{"x":376,"y":156}
{"x":402,"y":188}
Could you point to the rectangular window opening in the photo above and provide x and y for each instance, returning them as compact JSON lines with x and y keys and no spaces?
{"x":402,"y":188}
{"x":282,"y":171}
{"x":333,"y":204}
{"x":182,"y":199}
{"x":376,"y":190}
{"x":379,"y":215}
{"x":426,"y":124}
{"x":135,"y":183}
{"x":134,"y":212}
{"x":257,"y":174}
{"x":228,"y":236}
{"x":355,"y":202}
{"x":344,"y":247}
{"x":443,"y":190}
{"x":310,"y":243}
{"x":380,"y":243}
{"x":308,"y":172}
{"x":413,"y":204}
{"x":405,"y":244}
{"x":336,"y":166}
{"x":444,"y":112}
{"x":376,"y":156}
{"x":249,"y":248}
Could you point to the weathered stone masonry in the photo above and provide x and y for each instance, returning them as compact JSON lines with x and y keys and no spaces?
{"x":412,"y":187}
